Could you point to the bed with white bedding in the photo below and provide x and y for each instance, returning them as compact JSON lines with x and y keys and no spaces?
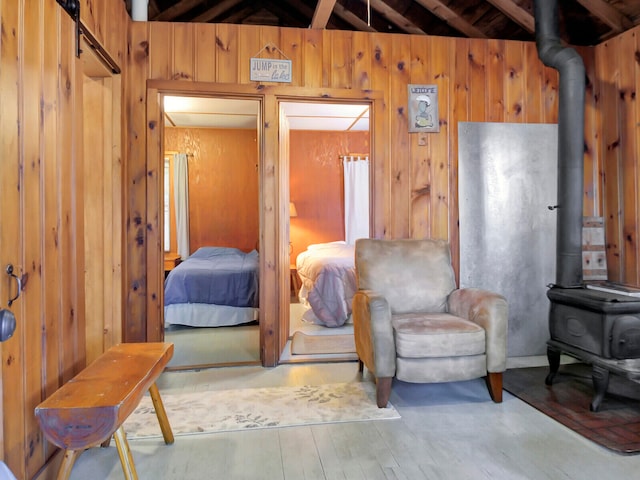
{"x":328,"y":276}
{"x":215,"y":286}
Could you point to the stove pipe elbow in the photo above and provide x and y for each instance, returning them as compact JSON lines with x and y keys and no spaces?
{"x":571,"y":95}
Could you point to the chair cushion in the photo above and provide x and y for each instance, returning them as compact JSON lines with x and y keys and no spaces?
{"x":412,"y":275}
{"x":420,"y":335}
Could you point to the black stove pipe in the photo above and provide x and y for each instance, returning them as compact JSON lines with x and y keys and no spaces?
{"x":570,"y":141}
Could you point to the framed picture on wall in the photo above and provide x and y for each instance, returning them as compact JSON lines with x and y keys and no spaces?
{"x":423,"y":108}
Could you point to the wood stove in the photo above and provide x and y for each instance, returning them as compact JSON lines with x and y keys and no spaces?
{"x":599,"y":328}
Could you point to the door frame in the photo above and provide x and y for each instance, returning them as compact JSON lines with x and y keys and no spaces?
{"x":274,"y":194}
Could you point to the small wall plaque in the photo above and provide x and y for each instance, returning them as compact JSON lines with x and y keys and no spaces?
{"x":423,"y":108}
{"x":270,"y":70}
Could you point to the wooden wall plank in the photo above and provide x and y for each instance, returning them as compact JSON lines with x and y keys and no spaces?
{"x":205,"y":52}
{"x":399,"y":73}
{"x":532,"y":84}
{"x":183,"y":62}
{"x":421,"y":71}
{"x":440,"y":68}
{"x":514,"y":78}
{"x":292,"y":46}
{"x":227,"y":68}
{"x":312,"y":49}
{"x":341,"y":59}
{"x":495,"y":81}
{"x":136,"y":171}
{"x":625,"y":46}
{"x":380,"y":45}
{"x":30,"y":266}
{"x":159,"y":45}
{"x":255,"y":43}
{"x":478,"y":51}
{"x":361,"y":61}
{"x":13,"y":381}
{"x":608,"y":75}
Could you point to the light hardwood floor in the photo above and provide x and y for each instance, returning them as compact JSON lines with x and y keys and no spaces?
{"x":447,"y":431}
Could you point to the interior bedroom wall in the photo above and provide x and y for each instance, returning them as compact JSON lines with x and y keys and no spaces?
{"x":223,"y":185}
{"x":316,"y":184}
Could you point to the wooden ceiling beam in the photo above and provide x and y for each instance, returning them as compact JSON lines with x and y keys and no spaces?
{"x":443,"y":12}
{"x":177,"y":9}
{"x":396,"y":17}
{"x":322,"y":13}
{"x":352,"y":19}
{"x":616,"y":20}
{"x":516,"y":13}
{"x":216,"y":11}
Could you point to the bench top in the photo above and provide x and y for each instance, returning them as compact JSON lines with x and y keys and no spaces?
{"x":87,"y":409}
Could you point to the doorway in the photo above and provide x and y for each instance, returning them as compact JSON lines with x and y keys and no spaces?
{"x":211,"y":230}
{"x":328,"y":149}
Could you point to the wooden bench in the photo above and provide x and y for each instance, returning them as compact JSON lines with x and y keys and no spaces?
{"x":92,"y":406}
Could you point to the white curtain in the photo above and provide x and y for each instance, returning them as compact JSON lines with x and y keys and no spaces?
{"x":181,"y":197}
{"x":356,"y":198}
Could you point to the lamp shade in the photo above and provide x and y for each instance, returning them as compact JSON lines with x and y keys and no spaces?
{"x":292,"y":210}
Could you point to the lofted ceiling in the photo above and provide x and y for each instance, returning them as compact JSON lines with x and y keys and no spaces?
{"x":582,"y":22}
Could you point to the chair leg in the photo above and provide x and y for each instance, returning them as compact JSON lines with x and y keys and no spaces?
{"x":360,"y":366}
{"x":383,"y":391}
{"x":494,"y":384}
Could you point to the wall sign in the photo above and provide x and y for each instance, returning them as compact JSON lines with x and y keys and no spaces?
{"x":423,"y":108}
{"x":270,"y":70}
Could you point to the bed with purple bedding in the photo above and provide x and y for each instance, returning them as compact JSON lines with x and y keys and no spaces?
{"x":215,"y":286}
{"x":328,"y":275}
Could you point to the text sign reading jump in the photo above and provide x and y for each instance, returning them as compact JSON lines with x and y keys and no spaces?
{"x":268,"y":70}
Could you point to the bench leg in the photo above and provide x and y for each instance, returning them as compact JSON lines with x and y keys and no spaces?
{"x":68,"y":460}
{"x":126,"y":459}
{"x":161,"y":414}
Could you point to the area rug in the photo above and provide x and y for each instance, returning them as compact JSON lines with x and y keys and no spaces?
{"x":253,"y":408}
{"x":616,"y":425}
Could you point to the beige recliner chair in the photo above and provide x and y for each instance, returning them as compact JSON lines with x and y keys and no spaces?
{"x":412,"y":323}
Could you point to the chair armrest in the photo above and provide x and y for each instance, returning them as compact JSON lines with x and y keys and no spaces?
{"x":490,"y":311}
{"x":373,"y":333}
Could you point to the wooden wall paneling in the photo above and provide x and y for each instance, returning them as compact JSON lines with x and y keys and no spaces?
{"x":283,"y":170}
{"x":341,"y":59}
{"x":380,"y":125}
{"x":90,"y":14}
{"x":514,"y":79}
{"x":311,"y":58}
{"x":227,"y":68}
{"x":135,"y":257}
{"x":250,"y":44}
{"x":77,"y":255}
{"x":114,"y":208}
{"x":420,"y":143}
{"x":53,"y":228}
{"x":274,"y":276}
{"x":440,"y":66}
{"x":478,"y":80}
{"x":292,"y":46}
{"x":608,"y":74}
{"x":550,"y":94}
{"x":635,"y":155}
{"x":71,"y":355}
{"x":399,"y":73}
{"x":592,"y":199}
{"x":495,"y":81}
{"x":459,"y":111}
{"x":183,"y":62}
{"x":205,"y":51}
{"x":160,"y":48}
{"x":532,"y":84}
{"x":155,"y":218}
{"x":30,"y":266}
{"x":626,"y":48}
{"x":361,"y":69}
{"x":13,"y":381}
{"x":95,"y":174}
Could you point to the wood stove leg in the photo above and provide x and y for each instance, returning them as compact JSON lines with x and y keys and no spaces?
{"x":600,"y":377}
{"x":553,"y":355}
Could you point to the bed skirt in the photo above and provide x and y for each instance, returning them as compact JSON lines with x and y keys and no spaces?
{"x":205,"y":315}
